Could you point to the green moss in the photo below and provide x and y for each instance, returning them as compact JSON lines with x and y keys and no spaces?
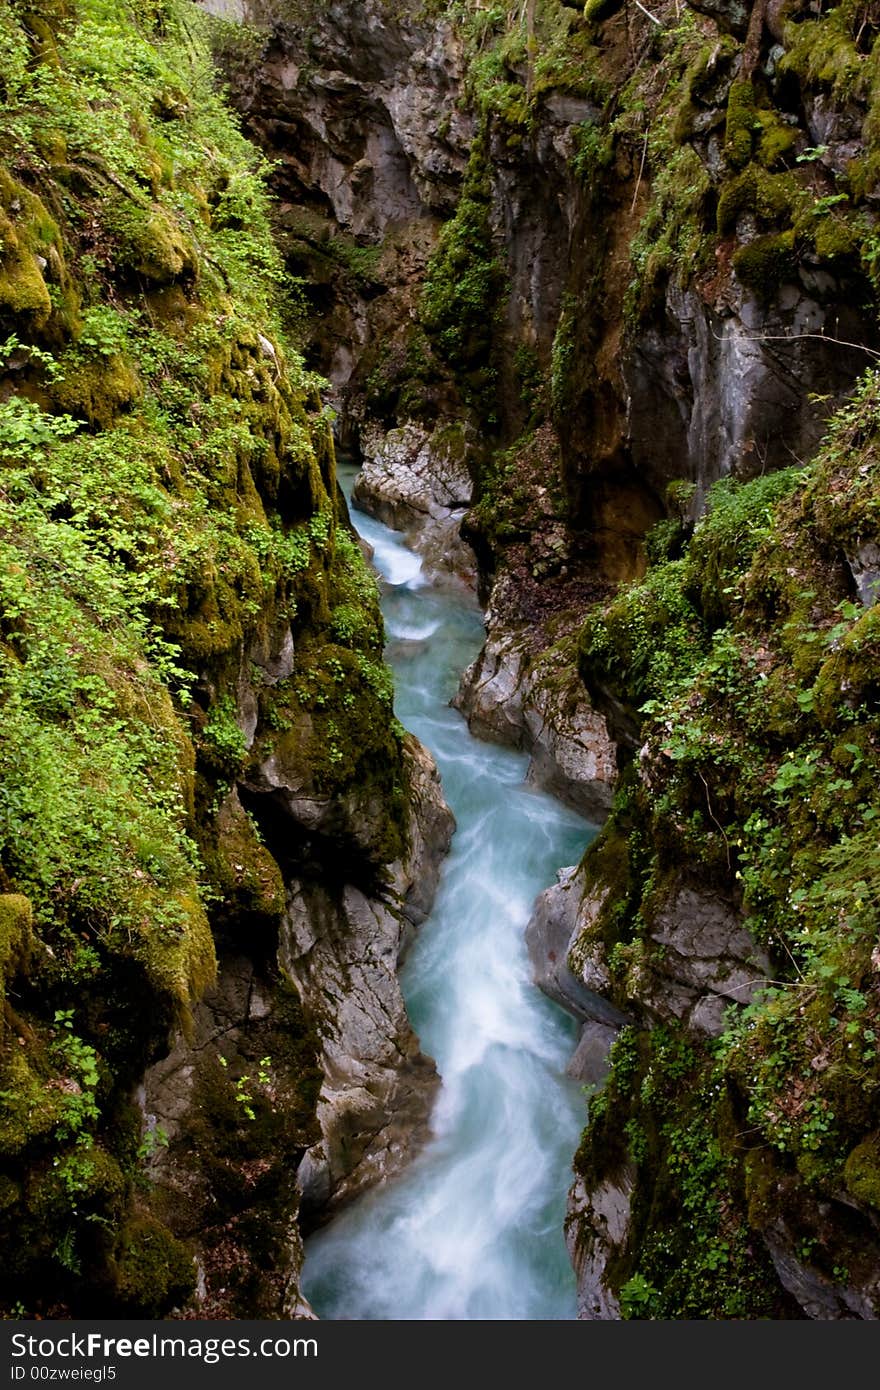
{"x":16,"y":936}
{"x":862,"y":1171}
{"x":25,"y":230}
{"x":771,"y":197}
{"x":647,"y":639}
{"x":98,"y":391}
{"x":613,"y":866}
{"x":243,"y":872}
{"x":739,"y":130}
{"x":838,"y":242}
{"x":709,"y":68}
{"x":776,"y":139}
{"x":32,"y":1109}
{"x":850,"y":676}
{"x":89,"y":1181}
{"x":153,"y":1270}
{"x":182,"y":964}
{"x":151,"y":243}
{"x":671,"y":239}
{"x":35,"y":285}
{"x":464,"y":286}
{"x":597,"y":11}
{"x":690,"y":1252}
{"x":23,"y":290}
{"x":824,"y":51}
{"x":766,"y":263}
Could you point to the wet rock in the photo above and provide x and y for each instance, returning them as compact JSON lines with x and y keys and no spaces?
{"x":596,"y":1230}
{"x":510,"y":695}
{"x":268,"y":661}
{"x":572,"y":754}
{"x":418,"y":483}
{"x":287,"y":778}
{"x":341,"y":950}
{"x":376,"y":125}
{"x":724,"y":387}
{"x":590,"y":1062}
{"x":430,"y":830}
{"x":242,"y":1027}
{"x":709,"y":952}
{"x":551,"y":931}
{"x":490,"y":693}
{"x":706,"y":961}
{"x":865,"y":567}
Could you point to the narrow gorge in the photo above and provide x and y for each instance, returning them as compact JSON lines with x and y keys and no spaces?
{"x":588,"y":297}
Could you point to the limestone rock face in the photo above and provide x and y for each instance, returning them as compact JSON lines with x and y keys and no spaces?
{"x":723,"y":387}
{"x":709,"y":959}
{"x":510,"y":695}
{"x":550,"y":933}
{"x":361,"y":104}
{"x":275,"y":661}
{"x":490,"y":694}
{"x":341,"y":949}
{"x":418,"y":483}
{"x":590,"y":1062}
{"x":430,"y":829}
{"x":697,"y":958}
{"x":596,"y":1229}
{"x":367,"y":115}
{"x":342,"y":955}
{"x":199,"y":1136}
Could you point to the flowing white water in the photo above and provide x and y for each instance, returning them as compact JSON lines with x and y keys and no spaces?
{"x":473,"y":1228}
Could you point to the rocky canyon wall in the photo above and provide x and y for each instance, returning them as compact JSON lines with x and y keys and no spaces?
{"x":616,"y":273}
{"x":213,"y":831}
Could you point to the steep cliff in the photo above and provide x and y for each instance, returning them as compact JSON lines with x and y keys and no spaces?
{"x":588,"y":286}
{"x":208,"y":811}
{"x":628,"y":263}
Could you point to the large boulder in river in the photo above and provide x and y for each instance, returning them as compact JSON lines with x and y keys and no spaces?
{"x":418,"y":483}
{"x":551,"y":931}
{"x":532,"y":699}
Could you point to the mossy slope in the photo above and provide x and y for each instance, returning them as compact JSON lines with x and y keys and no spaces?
{"x":169,"y":536}
{"x":752,"y":659}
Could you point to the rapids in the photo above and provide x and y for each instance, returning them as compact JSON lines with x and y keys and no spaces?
{"x":473,"y":1228}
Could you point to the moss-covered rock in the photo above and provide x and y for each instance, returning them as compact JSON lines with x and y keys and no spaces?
{"x":150,"y":242}
{"x":27,"y":235}
{"x":862,"y":1171}
{"x":153,"y":1271}
{"x":739,"y":131}
{"x":99,"y":391}
{"x":758,"y":761}
{"x":169,"y":513}
{"x":766,"y":263}
{"x":16,"y":936}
